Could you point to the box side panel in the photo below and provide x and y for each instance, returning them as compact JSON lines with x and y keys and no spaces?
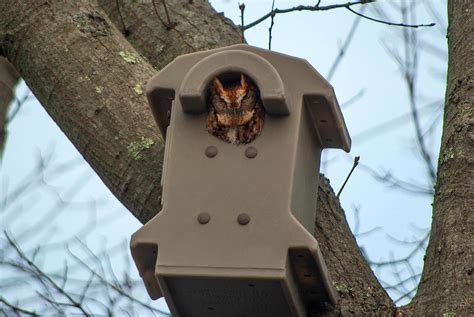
{"x":306,"y":172}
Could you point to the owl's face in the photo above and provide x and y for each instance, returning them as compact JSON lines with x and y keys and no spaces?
{"x":234,"y":104}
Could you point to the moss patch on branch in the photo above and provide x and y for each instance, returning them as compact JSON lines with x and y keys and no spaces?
{"x":129,"y":57}
{"x":91,"y":22}
{"x":138,"y":89}
{"x":136,"y":148}
{"x":99,"y":89}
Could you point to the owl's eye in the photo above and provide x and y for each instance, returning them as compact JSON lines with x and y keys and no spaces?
{"x":239,"y":98}
{"x":226,"y":99}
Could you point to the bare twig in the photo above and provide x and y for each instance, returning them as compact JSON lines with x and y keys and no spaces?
{"x":18,"y":104}
{"x":158,"y":14}
{"x":111,"y":285}
{"x":409,"y":67}
{"x":391,"y":23}
{"x":242,"y":28}
{"x":344,"y":47}
{"x":389,"y":179}
{"x":45,"y":277}
{"x":405,"y":286}
{"x":357,"y":233}
{"x":17,"y":309}
{"x":435,"y":15}
{"x":272,"y":23}
{"x":304,"y":8}
{"x":420,"y":246}
{"x":356,"y":162}
{"x":389,"y":125}
{"x":409,"y":294}
{"x":353,"y":99}
{"x":410,"y":43}
{"x":125,"y":30}
{"x":55,"y":209}
{"x":170,"y":23}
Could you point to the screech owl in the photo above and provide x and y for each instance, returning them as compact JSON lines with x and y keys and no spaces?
{"x":236,"y":114}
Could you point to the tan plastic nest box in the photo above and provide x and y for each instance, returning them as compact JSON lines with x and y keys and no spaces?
{"x":234,"y":235}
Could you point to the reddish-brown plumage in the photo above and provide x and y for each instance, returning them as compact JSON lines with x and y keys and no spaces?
{"x":236,"y":114}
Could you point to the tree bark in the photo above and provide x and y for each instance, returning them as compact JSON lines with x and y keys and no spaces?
{"x":195,"y":26}
{"x":446,"y":286}
{"x":8,"y":79}
{"x":91,"y":80}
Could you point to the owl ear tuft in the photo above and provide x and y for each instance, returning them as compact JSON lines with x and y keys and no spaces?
{"x":216,"y":83}
{"x":243,"y":81}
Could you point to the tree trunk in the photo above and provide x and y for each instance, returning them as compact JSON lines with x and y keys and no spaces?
{"x":90,"y":79}
{"x":446,"y":286}
{"x":8,"y":80}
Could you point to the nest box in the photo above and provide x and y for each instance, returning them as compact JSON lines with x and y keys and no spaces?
{"x":234,"y":237}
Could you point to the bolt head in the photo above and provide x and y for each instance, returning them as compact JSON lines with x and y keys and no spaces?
{"x":251,"y":152}
{"x":211,"y":151}
{"x":203,"y":218}
{"x":243,"y":219}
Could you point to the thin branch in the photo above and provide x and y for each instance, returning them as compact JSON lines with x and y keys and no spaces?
{"x":242,"y":10}
{"x":303,"y":8}
{"x":158,"y":14}
{"x":353,"y":99}
{"x":410,"y":79}
{"x":17,"y":309}
{"x":356,"y":162}
{"x":111,"y":285}
{"x":368,"y":232}
{"x":168,"y":25}
{"x":270,"y":29}
{"x":419,"y":247}
{"x":125,"y":30}
{"x":390,"y":23}
{"x":401,"y":282}
{"x":43,"y":276}
{"x":35,"y":178}
{"x":440,"y":22}
{"x":408,"y":295}
{"x":408,"y":66}
{"x":171,"y":24}
{"x":343,"y":49}
{"x":54,"y":212}
{"x":392,"y":181}
{"x":18,"y":104}
{"x":391,"y":124}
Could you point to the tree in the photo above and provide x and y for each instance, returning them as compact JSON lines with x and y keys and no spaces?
{"x":83,"y":62}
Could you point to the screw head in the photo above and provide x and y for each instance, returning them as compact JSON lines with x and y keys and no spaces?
{"x":243,"y":219}
{"x":211,"y":151}
{"x":251,"y":152}
{"x":203,"y":218}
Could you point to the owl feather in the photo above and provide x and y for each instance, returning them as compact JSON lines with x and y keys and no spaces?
{"x":235,"y":112}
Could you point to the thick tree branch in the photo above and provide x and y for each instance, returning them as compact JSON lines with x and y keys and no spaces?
{"x":90,"y":80}
{"x":359,"y":291}
{"x":446,"y":285}
{"x":197,"y":27}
